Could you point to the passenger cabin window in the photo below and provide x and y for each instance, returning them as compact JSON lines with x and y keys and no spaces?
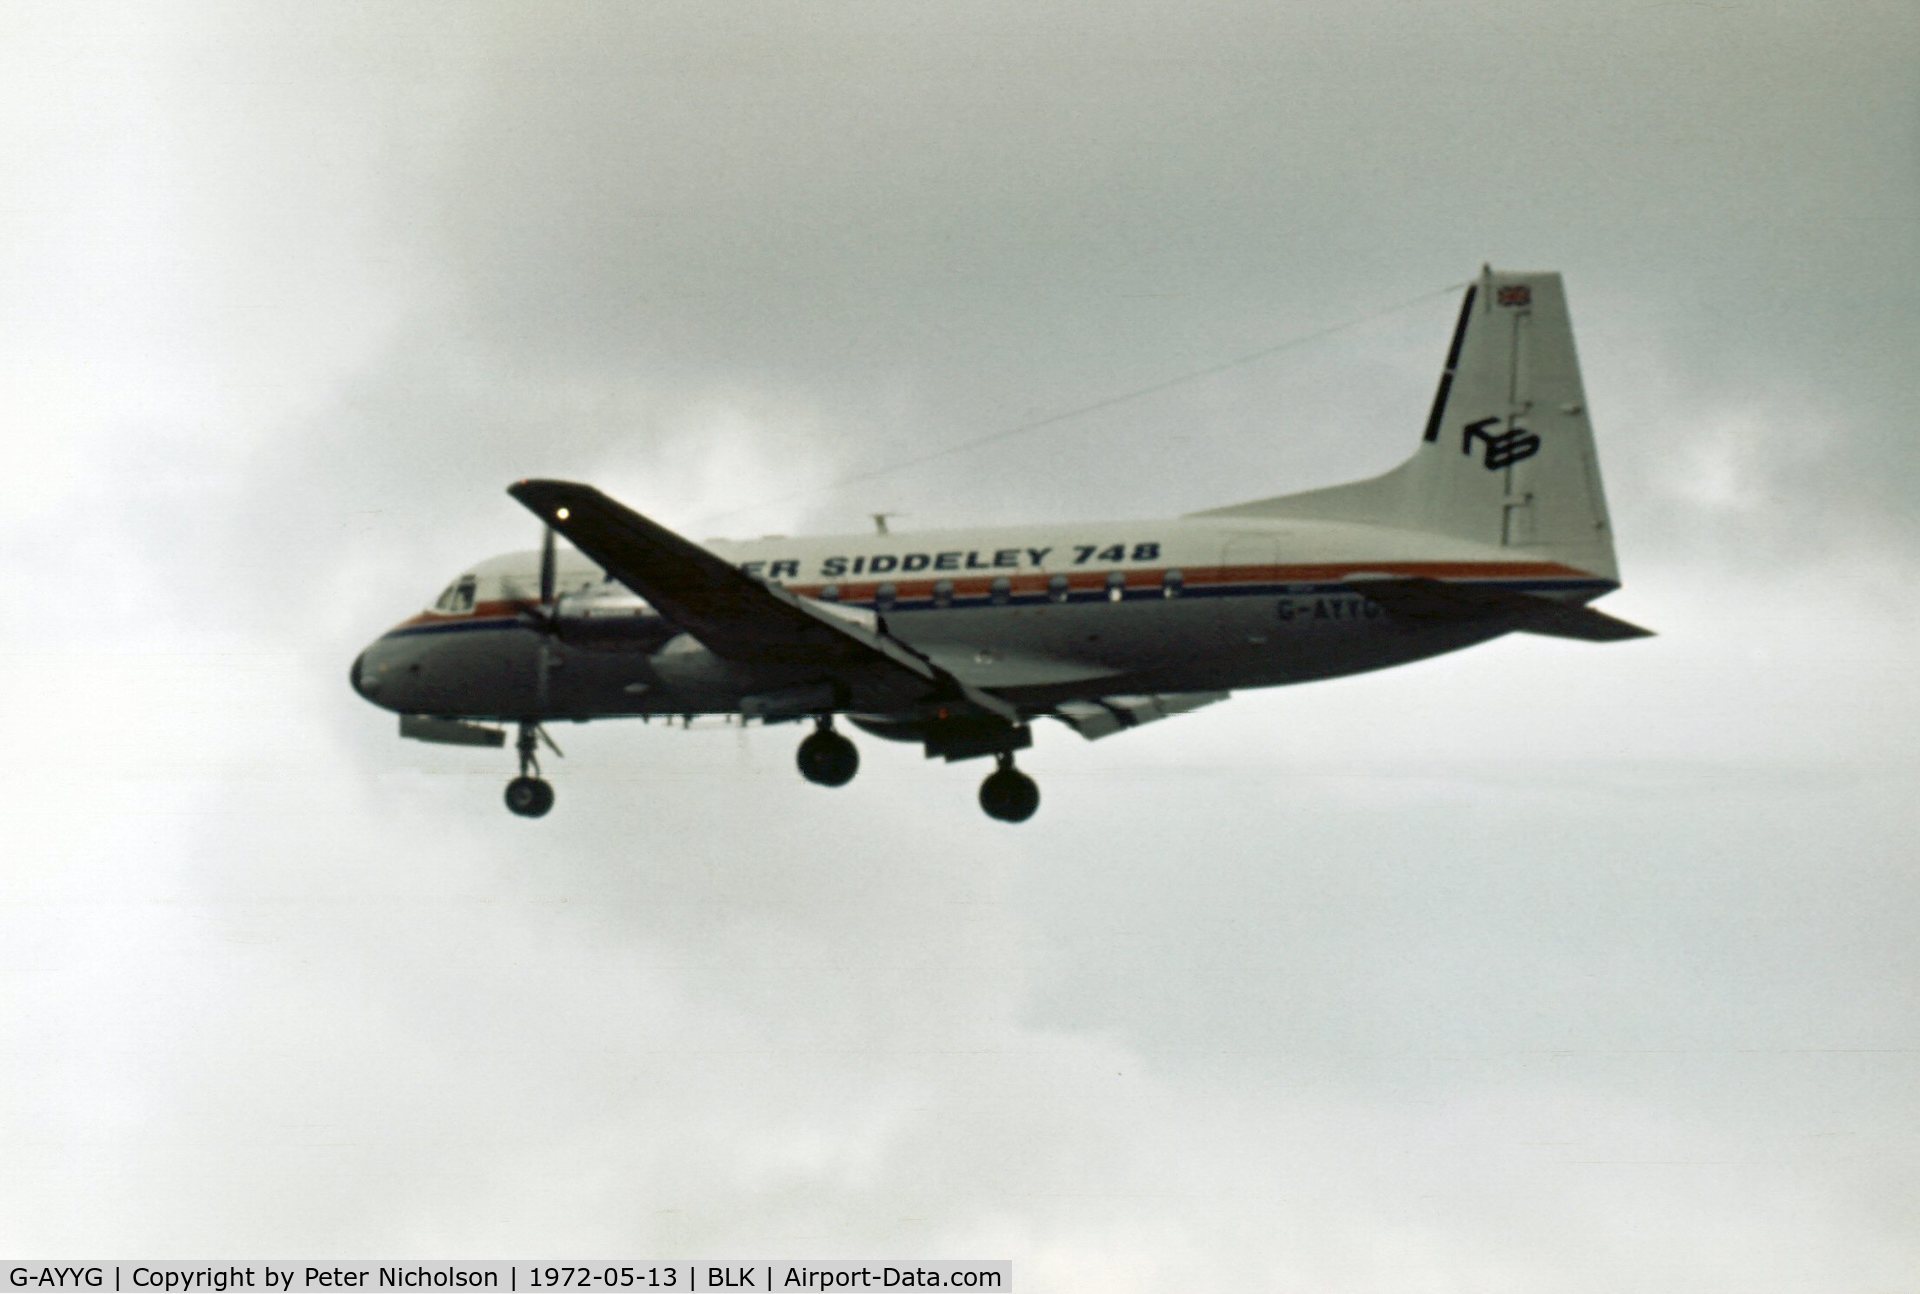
{"x":1000,"y":591}
{"x":943,"y":593}
{"x":458,"y":599}
{"x":1116,"y":585}
{"x":884,"y":596}
{"x":1172,"y":583}
{"x":1057,"y":589}
{"x":830,"y":594}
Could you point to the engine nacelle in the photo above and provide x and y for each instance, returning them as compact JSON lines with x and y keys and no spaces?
{"x":610,"y":622}
{"x":686,"y":663}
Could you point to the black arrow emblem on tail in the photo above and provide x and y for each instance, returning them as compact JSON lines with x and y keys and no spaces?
{"x":1504,"y":449}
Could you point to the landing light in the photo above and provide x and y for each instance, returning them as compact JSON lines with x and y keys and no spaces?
{"x":562,"y":514}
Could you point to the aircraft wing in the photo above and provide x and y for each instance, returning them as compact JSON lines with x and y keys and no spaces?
{"x":1436,"y":600}
{"x":737,"y":616}
{"x":1110,"y":714}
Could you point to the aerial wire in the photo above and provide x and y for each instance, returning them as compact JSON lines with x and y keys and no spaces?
{"x":1079,"y":411}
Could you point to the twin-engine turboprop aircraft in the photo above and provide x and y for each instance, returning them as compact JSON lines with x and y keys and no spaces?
{"x":959,"y":640}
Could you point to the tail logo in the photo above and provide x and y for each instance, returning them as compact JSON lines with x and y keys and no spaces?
{"x":1504,"y":449}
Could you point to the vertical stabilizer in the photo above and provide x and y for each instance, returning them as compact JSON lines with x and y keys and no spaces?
{"x":1507,"y":456}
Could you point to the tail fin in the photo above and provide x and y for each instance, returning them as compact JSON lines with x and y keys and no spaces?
{"x":1508,"y":455}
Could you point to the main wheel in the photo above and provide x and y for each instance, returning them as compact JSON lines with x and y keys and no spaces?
{"x":530,"y":797}
{"x":828,"y":759}
{"x":1009,"y":795}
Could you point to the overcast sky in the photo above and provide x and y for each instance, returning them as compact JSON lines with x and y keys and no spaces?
{"x":1542,"y":967}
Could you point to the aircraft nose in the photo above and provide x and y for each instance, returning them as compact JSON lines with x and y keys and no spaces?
{"x":364,"y":678}
{"x":388,"y":673}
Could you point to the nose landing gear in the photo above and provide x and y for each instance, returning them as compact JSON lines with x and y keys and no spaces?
{"x":826,"y":758}
{"x":1008,"y":794}
{"x":530,"y":795}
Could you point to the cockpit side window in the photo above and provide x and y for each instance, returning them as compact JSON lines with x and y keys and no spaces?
{"x":458,"y":599}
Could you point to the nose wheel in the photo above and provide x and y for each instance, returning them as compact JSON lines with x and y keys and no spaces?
{"x":1009,"y":795}
{"x":826,"y":758}
{"x":530,"y":795}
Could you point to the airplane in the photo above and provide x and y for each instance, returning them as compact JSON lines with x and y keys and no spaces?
{"x":960,"y":640}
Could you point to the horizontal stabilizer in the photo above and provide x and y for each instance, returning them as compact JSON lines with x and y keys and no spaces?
{"x":449,"y":732}
{"x":1527,"y":613}
{"x":1442,"y":602}
{"x":1110,"y":714}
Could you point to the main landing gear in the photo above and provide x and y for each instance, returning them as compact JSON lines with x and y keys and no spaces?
{"x":1008,"y":794}
{"x":530,"y":796}
{"x":826,"y":758}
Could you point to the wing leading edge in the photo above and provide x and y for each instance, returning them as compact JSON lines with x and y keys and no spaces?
{"x":739,"y":617}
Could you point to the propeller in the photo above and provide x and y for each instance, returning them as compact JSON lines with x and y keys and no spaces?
{"x":546,"y":571}
{"x":545,"y":619}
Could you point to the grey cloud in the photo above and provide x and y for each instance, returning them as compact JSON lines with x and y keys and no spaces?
{"x":1547,"y":967}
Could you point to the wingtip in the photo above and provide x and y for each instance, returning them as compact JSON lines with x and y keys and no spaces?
{"x":550,"y":501}
{"x":535,"y":490}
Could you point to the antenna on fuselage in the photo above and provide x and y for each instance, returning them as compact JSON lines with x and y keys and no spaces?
{"x":880,"y":520}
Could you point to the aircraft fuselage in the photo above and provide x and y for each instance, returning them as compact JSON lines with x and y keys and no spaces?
{"x":1037,"y":614}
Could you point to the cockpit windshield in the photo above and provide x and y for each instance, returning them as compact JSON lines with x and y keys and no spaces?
{"x":458,"y":599}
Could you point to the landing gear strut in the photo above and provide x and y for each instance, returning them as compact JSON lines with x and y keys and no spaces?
{"x":530,"y":795}
{"x":826,"y":758}
{"x":1009,"y":794}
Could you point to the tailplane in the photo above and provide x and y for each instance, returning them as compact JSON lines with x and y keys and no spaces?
{"x":1507,"y":457}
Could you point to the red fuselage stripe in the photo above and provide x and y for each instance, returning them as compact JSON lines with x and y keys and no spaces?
{"x":1095,"y":579}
